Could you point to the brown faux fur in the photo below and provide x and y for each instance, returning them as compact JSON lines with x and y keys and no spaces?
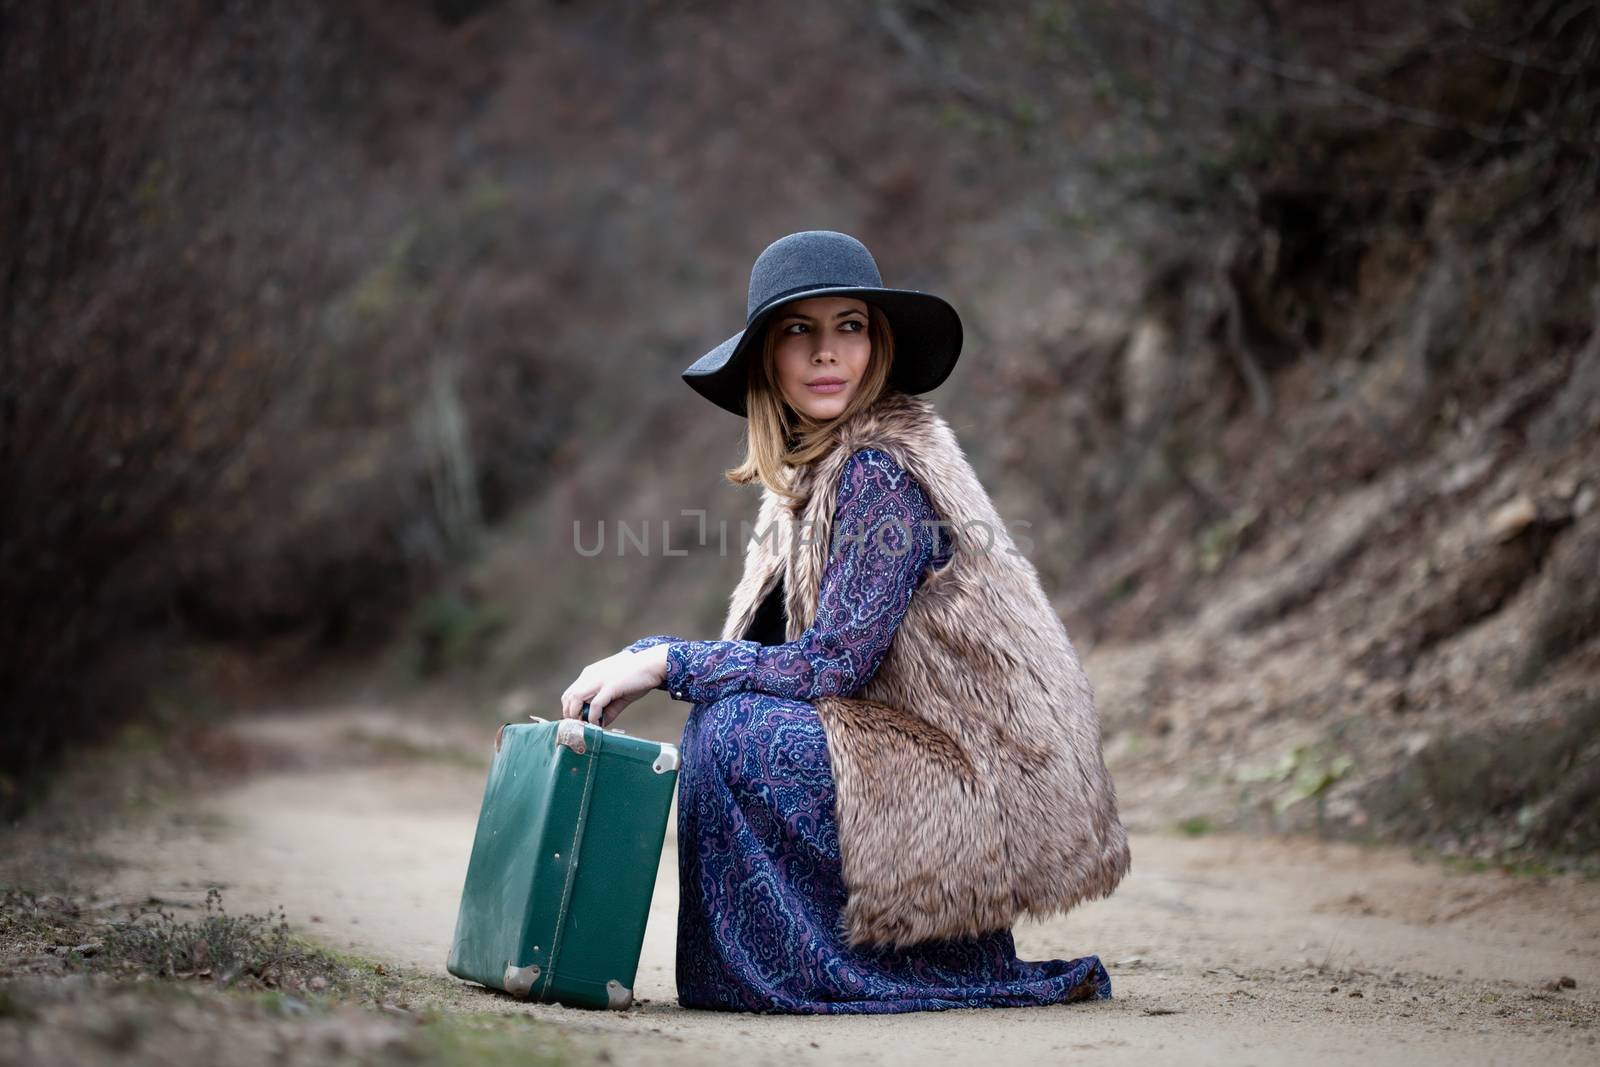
{"x":970,"y":783}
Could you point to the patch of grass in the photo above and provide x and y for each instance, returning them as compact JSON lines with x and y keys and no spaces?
{"x":1196,"y":826}
{"x":27,"y":927}
{"x":254,"y":949}
{"x":1308,"y":770}
{"x":1518,"y":866}
{"x":171,"y":990}
{"x":493,"y":1040}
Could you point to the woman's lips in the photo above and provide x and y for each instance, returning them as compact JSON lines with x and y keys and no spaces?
{"x":826,"y":385}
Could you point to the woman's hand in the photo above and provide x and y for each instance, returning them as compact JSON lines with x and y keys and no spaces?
{"x":611,"y":684}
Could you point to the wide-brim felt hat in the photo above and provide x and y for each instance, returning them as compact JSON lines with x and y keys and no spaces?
{"x":927,"y":330}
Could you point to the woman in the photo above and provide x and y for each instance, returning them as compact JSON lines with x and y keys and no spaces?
{"x":893,"y":751}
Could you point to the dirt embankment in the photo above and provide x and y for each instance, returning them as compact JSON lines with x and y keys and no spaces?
{"x":1413,"y":659}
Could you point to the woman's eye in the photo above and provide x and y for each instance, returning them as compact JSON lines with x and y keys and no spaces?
{"x":857,"y":323}
{"x":794,"y":326}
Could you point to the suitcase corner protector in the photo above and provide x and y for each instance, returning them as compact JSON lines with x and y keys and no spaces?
{"x":667,"y":760}
{"x":519,"y":980}
{"x":570,"y":734}
{"x":618,"y":996}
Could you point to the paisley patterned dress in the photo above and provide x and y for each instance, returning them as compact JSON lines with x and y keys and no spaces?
{"x":761,"y":893}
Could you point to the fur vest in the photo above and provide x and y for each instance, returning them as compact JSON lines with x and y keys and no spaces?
{"x":970,"y":783}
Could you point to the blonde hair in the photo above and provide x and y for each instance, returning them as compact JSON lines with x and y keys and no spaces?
{"x":779,"y":434}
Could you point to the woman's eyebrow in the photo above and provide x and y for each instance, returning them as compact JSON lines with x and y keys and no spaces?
{"x":809,"y":318}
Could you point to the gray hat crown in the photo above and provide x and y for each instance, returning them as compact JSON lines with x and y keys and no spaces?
{"x":811,"y":259}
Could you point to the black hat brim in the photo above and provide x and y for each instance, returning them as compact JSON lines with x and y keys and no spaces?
{"x":927,"y":342}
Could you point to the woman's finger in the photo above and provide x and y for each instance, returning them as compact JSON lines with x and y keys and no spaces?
{"x":597,"y":705}
{"x":572,"y":700}
{"x":616,"y":704}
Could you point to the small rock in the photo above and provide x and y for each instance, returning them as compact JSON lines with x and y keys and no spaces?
{"x":1463,"y":475}
{"x":1512,"y":517}
{"x":319,"y":983}
{"x":1355,"y":993}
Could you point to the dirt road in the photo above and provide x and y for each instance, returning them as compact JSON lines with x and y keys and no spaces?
{"x":1220,"y":949}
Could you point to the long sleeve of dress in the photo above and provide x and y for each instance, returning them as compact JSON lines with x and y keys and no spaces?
{"x":886,"y":533}
{"x":652,"y":641}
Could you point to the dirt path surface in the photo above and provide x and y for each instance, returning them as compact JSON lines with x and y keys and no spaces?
{"x":1220,"y":948}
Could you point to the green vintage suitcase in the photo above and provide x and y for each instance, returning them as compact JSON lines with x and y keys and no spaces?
{"x":564,"y":862}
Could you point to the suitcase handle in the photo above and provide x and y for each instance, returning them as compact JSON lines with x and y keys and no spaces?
{"x":582,"y":718}
{"x":586,"y":719}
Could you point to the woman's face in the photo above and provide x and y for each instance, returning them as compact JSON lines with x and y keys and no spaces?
{"x":821,"y":353}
